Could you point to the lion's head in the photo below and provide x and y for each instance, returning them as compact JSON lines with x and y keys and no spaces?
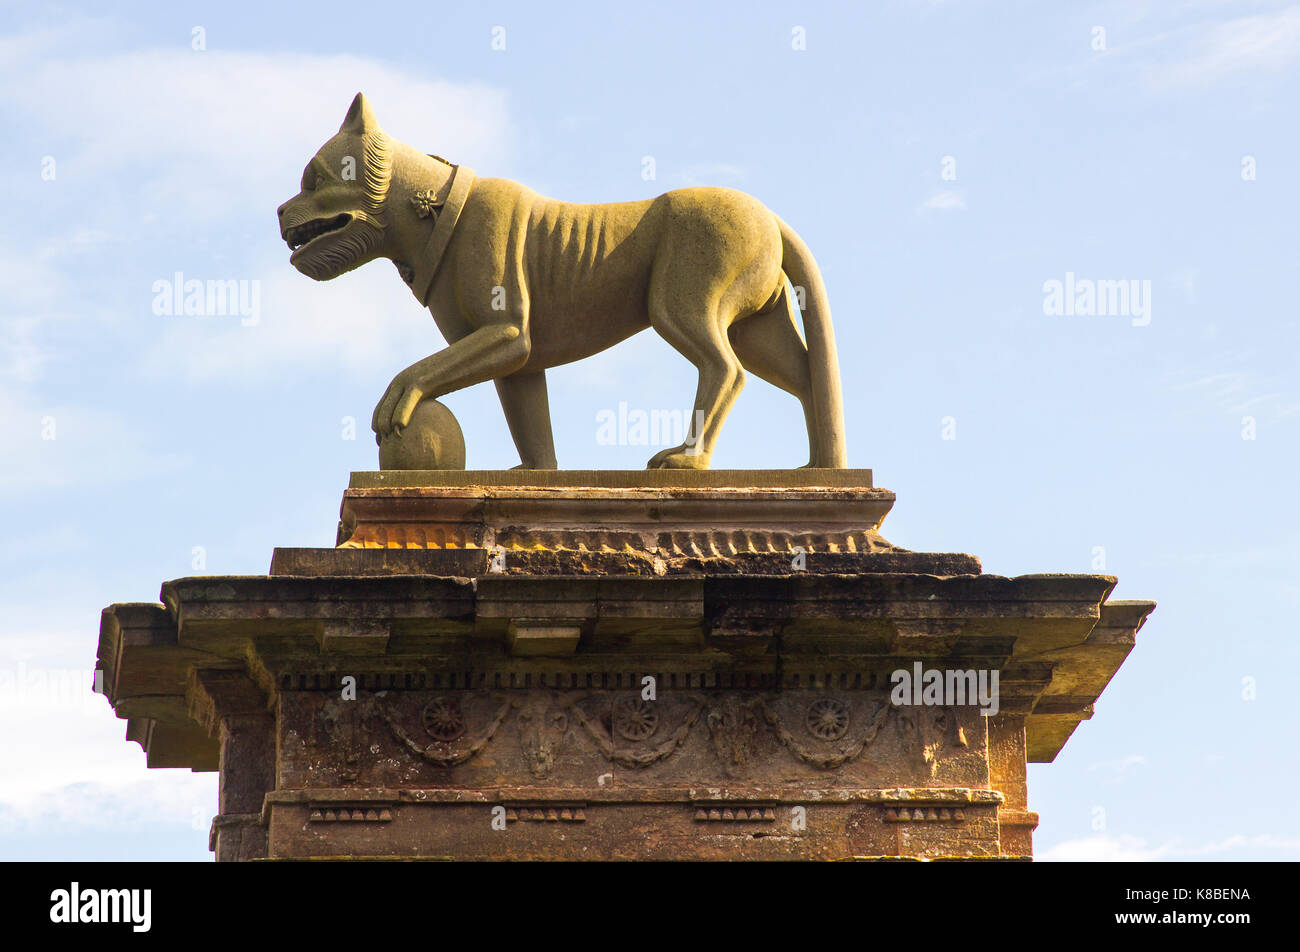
{"x":336,"y":222}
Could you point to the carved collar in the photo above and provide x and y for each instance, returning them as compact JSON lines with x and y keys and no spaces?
{"x":445,"y":217}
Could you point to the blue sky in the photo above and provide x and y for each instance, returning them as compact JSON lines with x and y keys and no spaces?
{"x":1161,"y":150}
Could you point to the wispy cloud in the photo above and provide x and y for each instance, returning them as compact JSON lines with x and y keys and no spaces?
{"x":712,"y":173}
{"x":364,"y":322}
{"x":1159,"y":50}
{"x":207,"y":125}
{"x":200,"y":127}
{"x":1267,"y":42}
{"x":1238,"y":391}
{"x":1125,"y":848}
{"x":949,"y":200}
{"x":98,"y":780}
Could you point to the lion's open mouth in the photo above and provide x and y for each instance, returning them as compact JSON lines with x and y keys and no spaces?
{"x":307,"y":232}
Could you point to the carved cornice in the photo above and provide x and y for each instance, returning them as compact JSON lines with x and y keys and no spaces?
{"x":722,"y":632}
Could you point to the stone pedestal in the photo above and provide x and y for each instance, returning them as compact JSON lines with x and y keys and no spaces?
{"x":614,"y":665}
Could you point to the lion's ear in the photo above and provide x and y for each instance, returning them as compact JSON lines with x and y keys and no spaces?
{"x":361,"y":118}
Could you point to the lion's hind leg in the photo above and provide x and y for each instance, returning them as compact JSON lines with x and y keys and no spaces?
{"x":697,"y":328}
{"x":768,"y":344}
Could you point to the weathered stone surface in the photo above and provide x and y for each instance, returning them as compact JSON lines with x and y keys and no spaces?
{"x":611,"y":523}
{"x":361,"y":703}
{"x":432,"y":440}
{"x":671,"y":522}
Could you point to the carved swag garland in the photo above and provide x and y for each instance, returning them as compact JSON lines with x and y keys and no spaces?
{"x":824,"y":731}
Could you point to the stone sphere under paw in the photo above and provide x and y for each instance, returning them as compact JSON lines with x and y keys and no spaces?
{"x":432,"y":440}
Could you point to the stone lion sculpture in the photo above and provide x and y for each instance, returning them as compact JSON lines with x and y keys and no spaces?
{"x":518,"y":283}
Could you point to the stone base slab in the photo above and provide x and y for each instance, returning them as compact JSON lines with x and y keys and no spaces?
{"x":611,"y":523}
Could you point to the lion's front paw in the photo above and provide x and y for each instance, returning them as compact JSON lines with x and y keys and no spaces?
{"x":395,"y":409}
{"x":679,"y":457}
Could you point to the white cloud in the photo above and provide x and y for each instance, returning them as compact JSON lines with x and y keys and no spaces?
{"x":211,"y":142}
{"x":163,"y":798}
{"x":1104,"y":848}
{"x":214,"y":135}
{"x":1125,"y":848}
{"x":712,"y":173}
{"x":946,"y":201}
{"x":1267,"y":42}
{"x":366,"y":321}
{"x":98,"y":780}
{"x":1237,"y":391}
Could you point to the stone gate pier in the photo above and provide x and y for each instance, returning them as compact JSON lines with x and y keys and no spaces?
{"x":616,"y":665}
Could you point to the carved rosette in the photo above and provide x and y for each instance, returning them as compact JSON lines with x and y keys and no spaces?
{"x":632,"y":731}
{"x":443,"y":719}
{"x":426,"y":204}
{"x":826,"y":731}
{"x":460,"y":725}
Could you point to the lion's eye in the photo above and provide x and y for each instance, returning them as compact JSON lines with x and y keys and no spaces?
{"x":308,"y":179}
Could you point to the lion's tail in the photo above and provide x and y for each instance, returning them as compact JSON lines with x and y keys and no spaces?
{"x":824,"y":367}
